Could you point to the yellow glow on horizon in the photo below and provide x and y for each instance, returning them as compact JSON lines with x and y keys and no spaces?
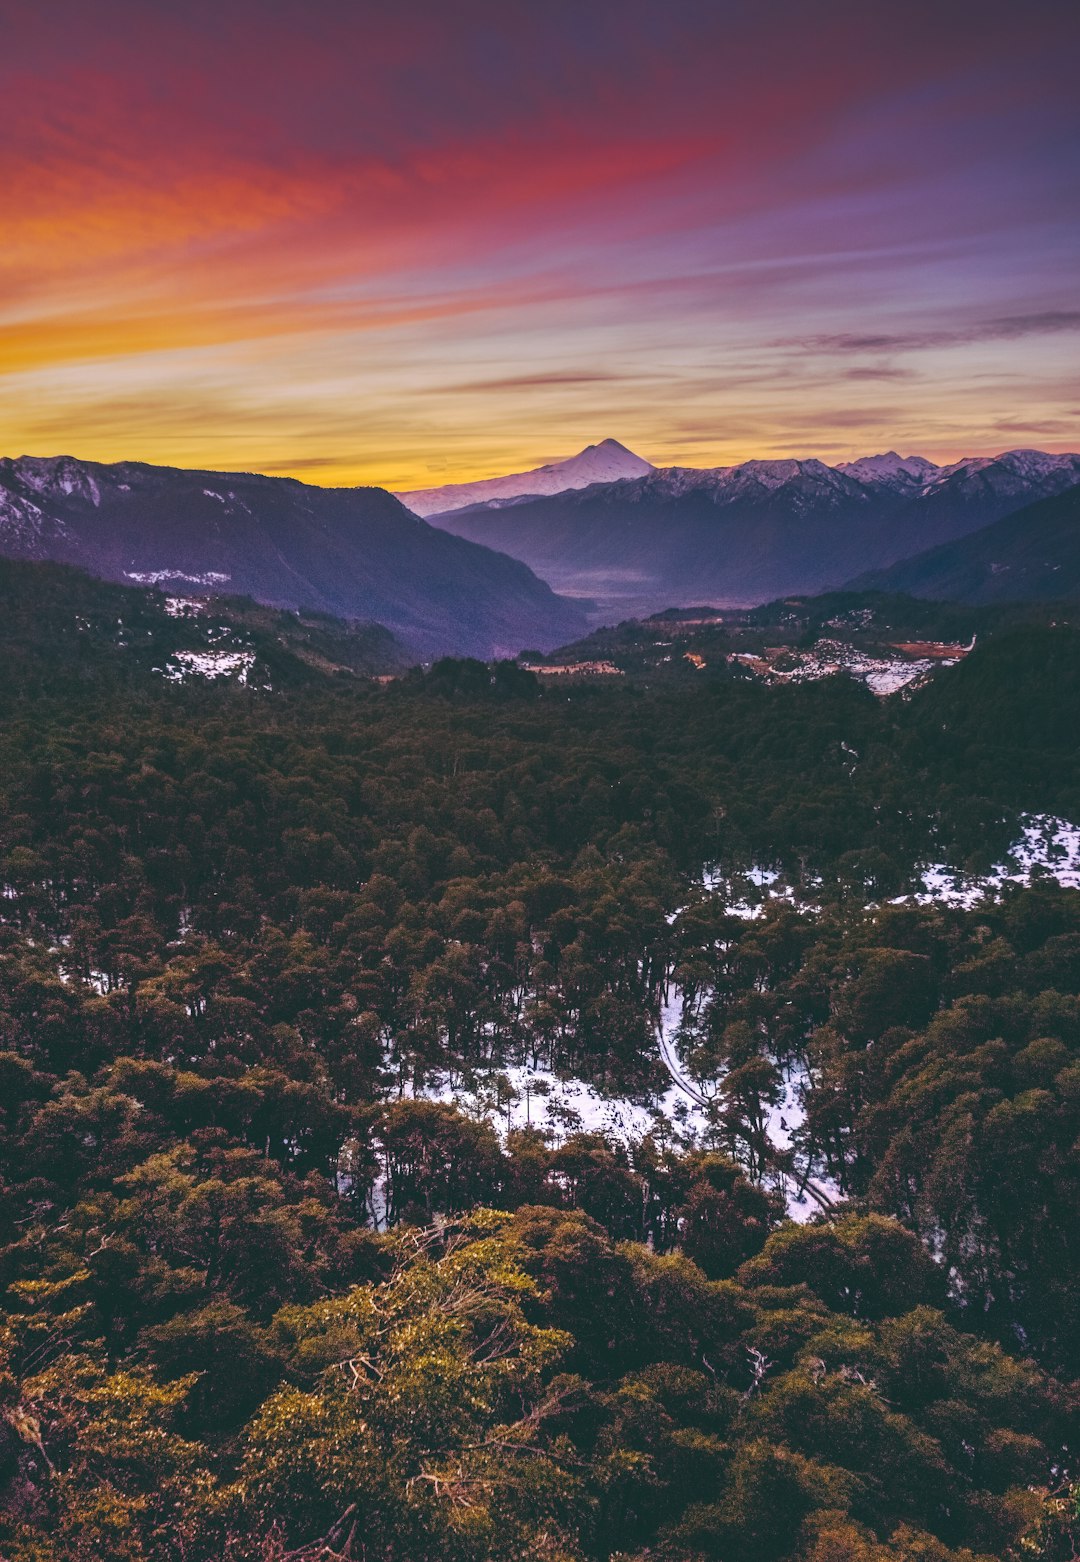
{"x":344,"y":249}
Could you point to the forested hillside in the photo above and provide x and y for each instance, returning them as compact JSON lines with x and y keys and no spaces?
{"x":60,"y":626}
{"x":798,"y":639}
{"x":356,"y":553}
{"x":1032,"y":555}
{"x":269,"y":1295}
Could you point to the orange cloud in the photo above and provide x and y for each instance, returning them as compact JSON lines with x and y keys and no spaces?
{"x":333,"y":207}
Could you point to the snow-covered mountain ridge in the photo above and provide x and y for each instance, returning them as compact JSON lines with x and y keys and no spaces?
{"x":868,"y":477}
{"x":902,"y":475}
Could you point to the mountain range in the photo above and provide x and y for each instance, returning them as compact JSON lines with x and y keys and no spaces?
{"x":357,"y":553}
{"x":535,"y":558}
{"x":744,"y":534}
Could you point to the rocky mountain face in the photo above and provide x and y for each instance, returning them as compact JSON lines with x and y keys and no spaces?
{"x":744,"y":534}
{"x":356,"y":553}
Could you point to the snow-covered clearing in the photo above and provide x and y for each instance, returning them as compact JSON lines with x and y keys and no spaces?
{"x":520,"y":1096}
{"x":515,"y":1096}
{"x":803,"y":1197}
{"x":512,"y":1096}
{"x":208,"y":664}
{"x":1048,"y":847}
{"x":882,"y":674}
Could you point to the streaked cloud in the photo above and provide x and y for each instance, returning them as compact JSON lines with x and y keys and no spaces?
{"x":359,"y":243}
{"x":1048,"y":322}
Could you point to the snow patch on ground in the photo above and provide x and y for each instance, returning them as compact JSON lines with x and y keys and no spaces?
{"x":208,"y":664}
{"x":781,"y":1122}
{"x":748,"y":894}
{"x":1048,"y":847}
{"x":162,"y":577}
{"x":513,"y":1096}
{"x":889,"y":677}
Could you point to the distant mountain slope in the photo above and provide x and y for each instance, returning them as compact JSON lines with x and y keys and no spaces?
{"x":607,"y":462}
{"x":741,"y":535}
{"x":355,"y":553}
{"x":1032,"y":554}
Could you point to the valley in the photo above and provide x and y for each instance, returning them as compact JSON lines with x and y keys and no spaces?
{"x":539,"y":970}
{"x":524,"y":563}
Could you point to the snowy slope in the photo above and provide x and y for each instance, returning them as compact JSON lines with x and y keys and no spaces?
{"x":607,"y":462}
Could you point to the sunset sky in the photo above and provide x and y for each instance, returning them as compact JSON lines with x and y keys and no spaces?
{"x":432,"y":240}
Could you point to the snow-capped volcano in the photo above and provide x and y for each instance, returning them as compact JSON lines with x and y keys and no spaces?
{"x":607,"y":462}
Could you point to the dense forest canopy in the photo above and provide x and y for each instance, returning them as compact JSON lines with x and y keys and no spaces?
{"x":268,"y":1294}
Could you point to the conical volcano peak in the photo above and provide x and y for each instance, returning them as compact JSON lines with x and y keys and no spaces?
{"x":605,"y":462}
